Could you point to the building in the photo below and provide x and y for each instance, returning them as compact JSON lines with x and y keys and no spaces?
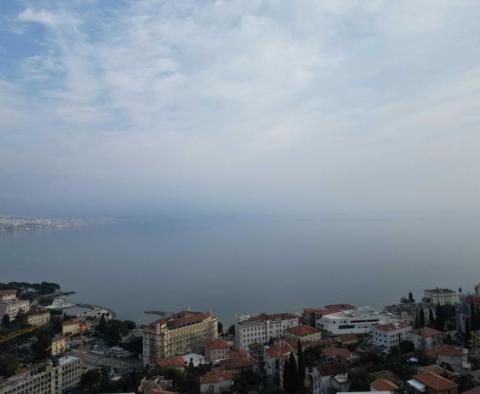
{"x":431,"y":383}
{"x":275,"y":355}
{"x":381,"y":384}
{"x":439,"y":296}
{"x":155,"y":385}
{"x":38,"y":317}
{"x":238,"y":361}
{"x":59,"y":345}
{"x":216,"y":381}
{"x":176,"y":362}
{"x":354,"y":321}
{"x":426,"y":338}
{"x":406,"y":311}
{"x":262,"y":328}
{"x":455,"y":357}
{"x":58,"y":377}
{"x":304,"y":333}
{"x":217,"y":350}
{"x":389,"y":336}
{"x":182,"y":332}
{"x":311,"y":315}
{"x":336,"y":354}
{"x":467,"y":304}
{"x":327,"y":378}
{"x":71,"y":327}
{"x":10,"y":305}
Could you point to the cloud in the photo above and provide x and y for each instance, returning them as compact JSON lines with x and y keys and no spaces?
{"x":250,"y":105}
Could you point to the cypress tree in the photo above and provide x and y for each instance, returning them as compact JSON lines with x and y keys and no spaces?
{"x":286,"y":375}
{"x":431,"y":319}
{"x":422,"y":318}
{"x":440,"y":325}
{"x":291,"y":383}
{"x":410,"y":297}
{"x":301,"y":364}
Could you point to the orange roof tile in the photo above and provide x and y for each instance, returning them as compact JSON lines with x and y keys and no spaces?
{"x":171,"y":362}
{"x":219,"y":344}
{"x":381,"y":384}
{"x":337,"y":352}
{"x":303,"y":330}
{"x":215,"y":376}
{"x":434,"y":381}
{"x":426,"y":332}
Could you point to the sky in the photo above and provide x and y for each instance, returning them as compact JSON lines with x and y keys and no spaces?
{"x":251,"y":106}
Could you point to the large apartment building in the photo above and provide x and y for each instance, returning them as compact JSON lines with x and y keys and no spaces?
{"x":262,"y":328}
{"x":50,"y":378}
{"x":182,"y":332}
{"x":439,"y":296}
{"x":10,"y":305}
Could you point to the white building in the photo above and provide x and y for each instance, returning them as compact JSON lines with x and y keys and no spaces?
{"x":354,"y":321}
{"x":10,"y":305}
{"x":262,"y":328}
{"x":441,"y":296}
{"x":388,"y":336}
{"x":50,"y":378}
{"x":38,"y":317}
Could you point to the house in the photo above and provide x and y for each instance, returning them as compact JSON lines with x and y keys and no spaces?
{"x":389,"y":336}
{"x":431,"y":383}
{"x":38,"y":317}
{"x":439,"y":296}
{"x":175,"y":362}
{"x":455,"y":357}
{"x":71,"y":327}
{"x":216,"y":381}
{"x":346,"y":339}
{"x":311,"y":315}
{"x":334,"y":354}
{"x":217,"y":349}
{"x":238,"y":361}
{"x":275,"y":355}
{"x":304,"y":333}
{"x":10,"y":305}
{"x":426,"y":338}
{"x":327,"y":378}
{"x":381,"y":384}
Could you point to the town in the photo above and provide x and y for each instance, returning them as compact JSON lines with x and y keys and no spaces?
{"x":430,"y":345}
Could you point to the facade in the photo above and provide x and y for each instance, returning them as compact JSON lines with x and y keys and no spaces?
{"x":183,"y":332}
{"x":262,"y":328}
{"x":71,"y":327}
{"x":389,"y":336}
{"x":338,"y":354}
{"x":327,"y":379}
{"x":274,"y":357}
{"x":439,"y":296}
{"x":38,"y":317}
{"x":59,"y":345}
{"x":10,"y":305}
{"x":426,"y":338}
{"x":60,"y":377}
{"x":354,"y":321}
{"x":304,"y":333}
{"x":216,"y":381}
{"x":463,"y":312}
{"x":217,"y":350}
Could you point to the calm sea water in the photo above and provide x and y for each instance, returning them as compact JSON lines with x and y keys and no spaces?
{"x":246,"y":266}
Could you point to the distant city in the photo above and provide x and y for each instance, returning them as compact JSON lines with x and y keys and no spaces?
{"x":51,"y":345}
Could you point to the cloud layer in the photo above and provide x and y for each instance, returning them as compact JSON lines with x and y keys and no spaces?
{"x":240,"y":105}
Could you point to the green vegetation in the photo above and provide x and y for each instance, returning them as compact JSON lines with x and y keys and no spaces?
{"x":22,"y":288}
{"x":187,"y":381}
{"x":113,"y":330}
{"x":8,"y":364}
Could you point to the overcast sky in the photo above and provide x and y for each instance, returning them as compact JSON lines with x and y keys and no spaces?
{"x":239,"y":106}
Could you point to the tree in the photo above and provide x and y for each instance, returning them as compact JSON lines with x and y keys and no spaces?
{"x":410,"y":297}
{"x":220,"y":328}
{"x":290,"y":375}
{"x":8,"y":364}
{"x":440,"y":324}
{"x":421,"y":319}
{"x":6,"y":321}
{"x":301,"y":365}
{"x":431,"y":319}
{"x":41,"y":347}
{"x":231,"y":330}
{"x":90,"y":382}
{"x":406,"y":347}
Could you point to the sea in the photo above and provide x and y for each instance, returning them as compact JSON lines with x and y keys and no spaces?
{"x":246,"y":265}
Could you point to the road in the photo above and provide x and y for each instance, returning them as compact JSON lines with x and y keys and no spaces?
{"x":97,"y":361}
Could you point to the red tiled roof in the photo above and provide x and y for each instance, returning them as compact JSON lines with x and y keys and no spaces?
{"x":215,"y":376}
{"x":37,"y":311}
{"x":71,"y":322}
{"x":333,"y":308}
{"x":302,"y":330}
{"x":433,"y":368}
{"x":171,"y":362}
{"x":381,"y":384}
{"x":475,"y":390}
{"x":434,"y":381}
{"x":346,"y":338}
{"x":238,"y":363}
{"x":219,"y":344}
{"x":160,"y":391}
{"x":6,"y":292}
{"x":391,"y":326}
{"x":280,"y":349}
{"x":446,"y":350}
{"x":474,"y":299}
{"x":181,"y":319}
{"x":426,"y":332}
{"x":337,"y":352}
